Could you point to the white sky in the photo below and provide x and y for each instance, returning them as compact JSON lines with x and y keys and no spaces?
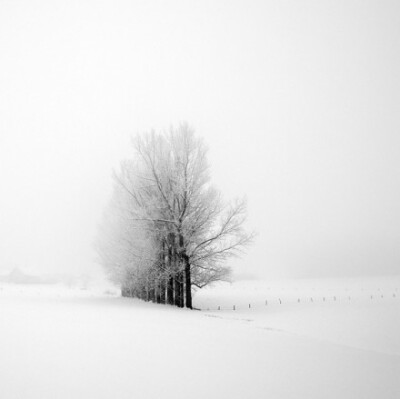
{"x":298,"y":100}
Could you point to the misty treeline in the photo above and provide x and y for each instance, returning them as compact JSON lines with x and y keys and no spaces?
{"x":167,"y":230}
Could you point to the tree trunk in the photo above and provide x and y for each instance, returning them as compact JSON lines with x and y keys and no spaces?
{"x":180,"y":276}
{"x":158,"y":293}
{"x":143,"y":293}
{"x":179,"y":290}
{"x":153,"y":295}
{"x":150,"y":292}
{"x":170,"y":279}
{"x":170,"y":291}
{"x":161,"y":280}
{"x":162,"y":290}
{"x":188,"y":283}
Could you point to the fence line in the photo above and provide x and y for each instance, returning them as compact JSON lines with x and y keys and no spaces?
{"x":303,"y":300}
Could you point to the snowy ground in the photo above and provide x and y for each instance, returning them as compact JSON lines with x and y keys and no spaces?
{"x":71,"y":343}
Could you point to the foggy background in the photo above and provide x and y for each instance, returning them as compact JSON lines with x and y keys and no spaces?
{"x":298,"y":101}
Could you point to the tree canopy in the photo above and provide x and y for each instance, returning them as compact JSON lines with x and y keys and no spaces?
{"x":167,"y":229}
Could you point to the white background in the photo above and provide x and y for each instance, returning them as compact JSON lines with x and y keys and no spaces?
{"x":299,"y":102}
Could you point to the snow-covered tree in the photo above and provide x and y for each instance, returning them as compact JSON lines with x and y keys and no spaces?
{"x":167,"y":228}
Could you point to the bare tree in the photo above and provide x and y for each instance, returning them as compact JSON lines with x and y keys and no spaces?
{"x":169,"y":211}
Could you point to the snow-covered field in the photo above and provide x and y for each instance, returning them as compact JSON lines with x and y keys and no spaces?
{"x":57,"y":342}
